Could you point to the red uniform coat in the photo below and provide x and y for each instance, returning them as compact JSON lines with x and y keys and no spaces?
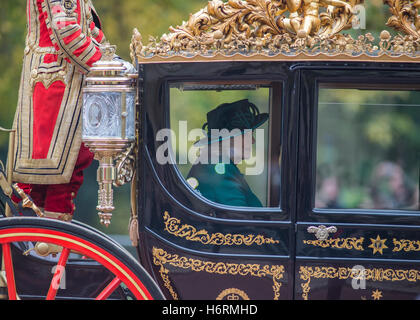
{"x":62,"y":44}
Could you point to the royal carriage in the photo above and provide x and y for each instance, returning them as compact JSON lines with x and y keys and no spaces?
{"x":335,"y":167}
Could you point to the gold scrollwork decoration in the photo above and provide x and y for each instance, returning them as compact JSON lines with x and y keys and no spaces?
{"x":252,"y":24}
{"x":286,"y":30}
{"x":378,"y":245}
{"x":307,"y":273}
{"x":223,"y":22}
{"x":136,"y":45}
{"x":404,"y":16}
{"x":405,"y":245}
{"x":338,"y":243}
{"x":190,"y":233}
{"x":124,"y":166}
{"x":162,"y":259}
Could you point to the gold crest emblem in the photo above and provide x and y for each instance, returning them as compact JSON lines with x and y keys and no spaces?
{"x":232,"y":294}
{"x":69,"y":6}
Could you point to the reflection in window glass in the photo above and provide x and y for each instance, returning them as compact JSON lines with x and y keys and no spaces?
{"x":220,"y":141}
{"x":368,"y":149}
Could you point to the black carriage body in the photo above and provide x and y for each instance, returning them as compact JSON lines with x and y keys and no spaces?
{"x":196,"y":249}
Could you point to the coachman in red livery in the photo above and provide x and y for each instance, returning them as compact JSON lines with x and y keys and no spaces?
{"x":63,"y":41}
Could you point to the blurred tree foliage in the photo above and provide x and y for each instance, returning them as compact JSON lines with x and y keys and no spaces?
{"x":378,"y":129}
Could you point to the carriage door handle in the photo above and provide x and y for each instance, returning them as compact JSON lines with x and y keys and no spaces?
{"x":322,"y":232}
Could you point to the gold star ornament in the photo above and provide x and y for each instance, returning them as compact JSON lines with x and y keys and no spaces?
{"x":378,"y":245}
{"x":376,"y":295}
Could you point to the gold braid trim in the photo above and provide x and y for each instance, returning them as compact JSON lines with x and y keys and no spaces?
{"x":375,"y":274}
{"x":338,"y":243}
{"x":162,"y":259}
{"x":174,"y":227}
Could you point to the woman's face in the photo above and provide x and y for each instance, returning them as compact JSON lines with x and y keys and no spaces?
{"x":236,"y":149}
{"x":241,"y":146}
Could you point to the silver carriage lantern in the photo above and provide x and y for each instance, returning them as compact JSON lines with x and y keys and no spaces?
{"x":109,"y":97}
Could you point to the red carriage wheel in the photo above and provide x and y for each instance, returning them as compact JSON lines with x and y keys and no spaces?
{"x":112,"y":271}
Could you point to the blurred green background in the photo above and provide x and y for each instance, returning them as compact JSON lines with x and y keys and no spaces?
{"x":119,"y":17}
{"x":368,"y":149}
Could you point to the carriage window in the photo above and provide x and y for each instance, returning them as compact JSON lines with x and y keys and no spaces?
{"x":368,"y":149}
{"x":220,"y":136}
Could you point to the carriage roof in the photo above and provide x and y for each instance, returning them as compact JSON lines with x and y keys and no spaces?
{"x":267,"y":30}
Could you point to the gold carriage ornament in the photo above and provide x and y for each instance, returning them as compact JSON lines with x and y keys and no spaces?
{"x":109,"y":98}
{"x":282,"y":30}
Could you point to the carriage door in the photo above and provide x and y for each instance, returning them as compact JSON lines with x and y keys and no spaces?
{"x":358,"y":214}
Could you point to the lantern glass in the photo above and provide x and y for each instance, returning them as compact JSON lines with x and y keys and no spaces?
{"x":131,"y":115}
{"x":108,"y":115}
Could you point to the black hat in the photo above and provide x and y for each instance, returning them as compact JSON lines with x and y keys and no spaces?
{"x":240,"y":115}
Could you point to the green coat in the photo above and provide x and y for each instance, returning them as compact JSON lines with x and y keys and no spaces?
{"x":222,"y":183}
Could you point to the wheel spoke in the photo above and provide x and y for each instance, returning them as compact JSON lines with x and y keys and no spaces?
{"x":59,"y":271}
{"x":109,"y":289}
{"x":10,"y":276}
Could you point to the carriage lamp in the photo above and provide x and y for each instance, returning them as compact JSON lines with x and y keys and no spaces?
{"x":109,"y":96}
